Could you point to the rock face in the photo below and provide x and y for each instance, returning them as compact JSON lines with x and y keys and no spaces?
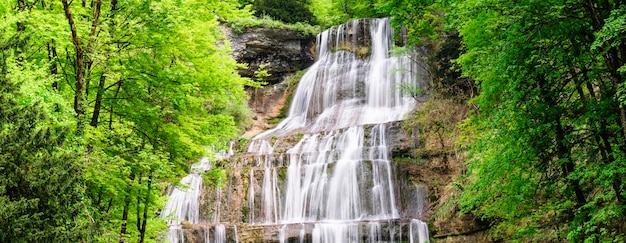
{"x":286,"y":51}
{"x":267,"y":102}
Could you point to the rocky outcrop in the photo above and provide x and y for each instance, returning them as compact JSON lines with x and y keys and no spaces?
{"x":267,"y":102}
{"x":460,"y":228}
{"x":286,"y":51}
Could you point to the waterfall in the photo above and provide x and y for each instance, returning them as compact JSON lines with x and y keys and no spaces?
{"x":418,"y":231}
{"x":338,"y":184}
{"x":325,"y":173}
{"x":344,"y":89}
{"x":183,"y":203}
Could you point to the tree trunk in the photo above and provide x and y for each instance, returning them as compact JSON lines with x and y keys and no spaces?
{"x":563,"y":151}
{"x":91,"y":41}
{"x":126,"y":208}
{"x":52,"y":56}
{"x":98,"y":103}
{"x":22,"y":5}
{"x":612,"y":58}
{"x":78,"y":65}
{"x":119,"y":86}
{"x":138,"y":206}
{"x":568,"y":167}
{"x":142,"y":231}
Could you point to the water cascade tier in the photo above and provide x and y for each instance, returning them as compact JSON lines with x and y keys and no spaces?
{"x":183,"y":207}
{"x":326,"y":173}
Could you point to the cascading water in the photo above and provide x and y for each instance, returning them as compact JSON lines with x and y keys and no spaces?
{"x":338,"y":184}
{"x":325,"y":173}
{"x":183,"y":204}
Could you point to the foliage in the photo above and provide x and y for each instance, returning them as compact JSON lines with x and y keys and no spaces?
{"x":334,"y":12}
{"x":437,"y":133}
{"x":421,"y":25}
{"x":41,"y":189}
{"x":548,"y":131}
{"x":261,"y":73}
{"x":546,"y":135}
{"x":150,"y":82}
{"x":215,"y":177}
{"x":239,"y":24}
{"x":292,"y":85}
{"x":294,"y":11}
{"x":423,"y":20}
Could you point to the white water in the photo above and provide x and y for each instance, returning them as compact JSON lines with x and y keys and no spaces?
{"x":342,"y":89}
{"x":339,"y":180}
{"x":183,"y":204}
{"x":418,"y":231}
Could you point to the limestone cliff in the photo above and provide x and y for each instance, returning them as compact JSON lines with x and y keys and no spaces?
{"x":286,"y":51}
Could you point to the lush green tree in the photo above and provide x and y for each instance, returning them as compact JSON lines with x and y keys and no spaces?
{"x":546,"y":140}
{"x":41,"y":187}
{"x":143,"y":86}
{"x":334,"y":12}
{"x":547,"y":147}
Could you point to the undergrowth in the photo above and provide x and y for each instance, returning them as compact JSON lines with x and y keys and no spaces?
{"x":240,"y":24}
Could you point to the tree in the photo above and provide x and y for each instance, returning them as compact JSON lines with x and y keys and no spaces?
{"x":150,"y":85}
{"x":41,"y":188}
{"x":547,"y":145}
{"x":546,"y":139}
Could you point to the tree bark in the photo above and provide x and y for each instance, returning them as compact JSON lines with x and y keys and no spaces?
{"x":98,"y":103}
{"x":117,"y":91}
{"x":138,"y":206}
{"x":142,"y":231}
{"x":52,"y":56}
{"x":90,"y":43}
{"x":78,"y":64}
{"x":612,"y":58}
{"x":126,"y":208}
{"x":22,"y":5}
{"x":568,"y":167}
{"x":563,"y":151}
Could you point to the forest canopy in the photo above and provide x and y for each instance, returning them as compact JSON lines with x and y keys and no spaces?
{"x":103,"y":103}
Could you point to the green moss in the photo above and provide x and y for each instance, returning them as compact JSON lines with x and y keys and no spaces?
{"x":275,"y":120}
{"x":360,"y":51}
{"x":404,"y":159}
{"x":215,"y":177}
{"x":243,"y":144}
{"x":292,"y":84}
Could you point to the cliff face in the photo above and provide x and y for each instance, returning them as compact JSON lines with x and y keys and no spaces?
{"x":286,"y":51}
